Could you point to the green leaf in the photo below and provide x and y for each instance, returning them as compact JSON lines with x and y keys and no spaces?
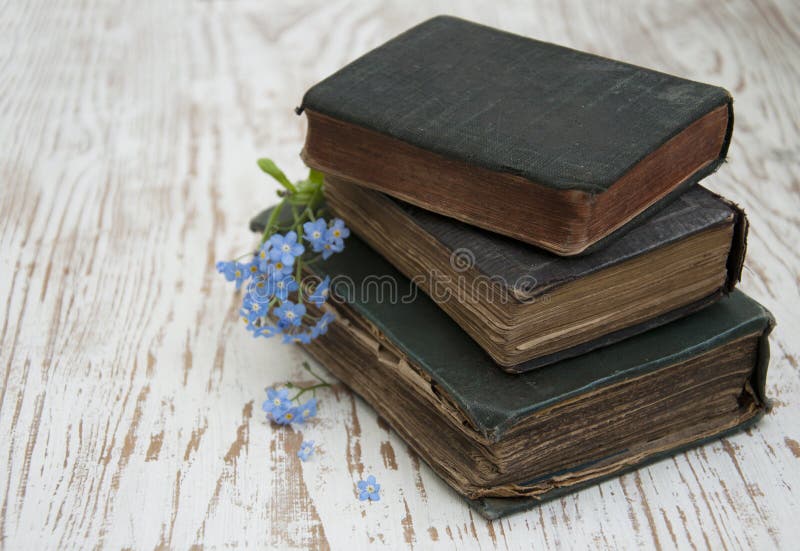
{"x":269,"y":166}
{"x":316,"y":176}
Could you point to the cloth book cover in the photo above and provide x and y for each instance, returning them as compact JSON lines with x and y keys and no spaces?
{"x":507,"y":442}
{"x":528,"y":308}
{"x":555,"y":147}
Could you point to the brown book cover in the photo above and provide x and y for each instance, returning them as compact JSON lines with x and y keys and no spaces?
{"x":554,"y":147}
{"x":507,"y":442}
{"x":528,"y":308}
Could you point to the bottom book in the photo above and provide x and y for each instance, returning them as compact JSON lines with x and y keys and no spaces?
{"x":507,"y":442}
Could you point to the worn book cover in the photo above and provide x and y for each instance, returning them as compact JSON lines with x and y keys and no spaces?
{"x":555,"y":147}
{"x":507,"y":442}
{"x":527,"y":307}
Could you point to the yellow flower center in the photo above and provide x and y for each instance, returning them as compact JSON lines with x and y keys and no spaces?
{"x":336,"y":233}
{"x":316,"y":235}
{"x":370,"y":489}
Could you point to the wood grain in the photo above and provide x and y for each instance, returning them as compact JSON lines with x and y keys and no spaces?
{"x":129,"y":406}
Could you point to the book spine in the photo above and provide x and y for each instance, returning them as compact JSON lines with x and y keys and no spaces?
{"x":738,"y":250}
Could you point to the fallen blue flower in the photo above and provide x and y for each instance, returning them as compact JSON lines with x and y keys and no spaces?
{"x":277,"y":402}
{"x":287,"y":417}
{"x":369,"y":489}
{"x":306,"y":449}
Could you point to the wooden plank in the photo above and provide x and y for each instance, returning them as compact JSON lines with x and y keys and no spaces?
{"x":129,"y":406}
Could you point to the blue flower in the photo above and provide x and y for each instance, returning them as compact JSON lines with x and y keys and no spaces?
{"x":290,"y":313}
{"x":338,"y":232}
{"x":306,"y":449}
{"x":332,"y":246}
{"x":226,"y":269}
{"x":262,"y":256}
{"x":281,"y":287}
{"x":260,"y":290}
{"x":315,"y":233}
{"x":277,"y":402}
{"x":303,"y":338}
{"x":253,"y":307}
{"x":248,"y":316}
{"x":369,"y":489}
{"x":307,"y":410}
{"x":233,"y":271}
{"x":287,"y":417}
{"x":278,"y":269}
{"x":321,"y":327}
{"x":266,"y":331}
{"x":285,"y":248}
{"x":253,"y":267}
{"x":245,"y":317}
{"x":320,"y":294}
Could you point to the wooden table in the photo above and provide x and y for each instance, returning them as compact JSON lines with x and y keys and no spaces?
{"x":130,"y":404}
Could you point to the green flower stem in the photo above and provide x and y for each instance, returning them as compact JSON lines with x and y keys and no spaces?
{"x":322,"y":383}
{"x":298,"y":270}
{"x":311,"y":371}
{"x":304,"y":198}
{"x":310,"y":388}
{"x":273,"y":217}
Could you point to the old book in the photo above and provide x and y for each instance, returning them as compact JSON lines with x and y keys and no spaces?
{"x":528,"y":308}
{"x":507,"y":442}
{"x":548,"y":145}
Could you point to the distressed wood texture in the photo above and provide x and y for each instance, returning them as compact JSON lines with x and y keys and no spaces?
{"x":129,"y":410}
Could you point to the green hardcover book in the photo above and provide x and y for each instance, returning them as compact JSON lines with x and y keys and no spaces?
{"x":507,"y":442}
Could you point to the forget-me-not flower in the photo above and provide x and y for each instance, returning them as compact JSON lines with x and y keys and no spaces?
{"x":314,"y":233}
{"x":233,"y":271}
{"x":338,"y":232}
{"x":306,"y":449}
{"x":290,"y":314}
{"x":287,"y":417}
{"x":321,"y":327}
{"x":281,"y":287}
{"x":302,"y":338}
{"x":277,"y":402}
{"x":307,"y":410}
{"x":320,"y":294}
{"x":266,"y":330}
{"x":369,"y":489}
{"x":285,"y":248}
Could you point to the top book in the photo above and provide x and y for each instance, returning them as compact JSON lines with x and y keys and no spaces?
{"x":551,"y":146}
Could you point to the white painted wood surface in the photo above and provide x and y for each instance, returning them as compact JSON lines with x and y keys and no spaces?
{"x":129,"y":408}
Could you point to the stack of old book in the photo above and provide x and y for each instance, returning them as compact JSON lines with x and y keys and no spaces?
{"x":578,"y":316}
